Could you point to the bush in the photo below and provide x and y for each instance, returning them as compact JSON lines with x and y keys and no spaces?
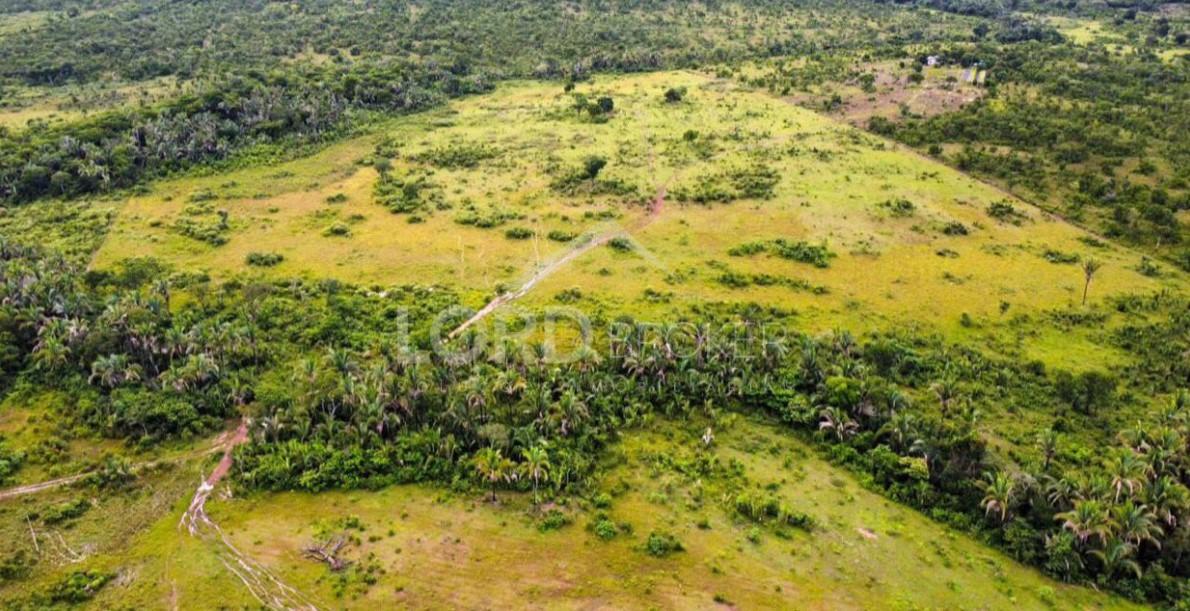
{"x":66,"y":511}
{"x":673,"y":95}
{"x":620,"y":244}
{"x":662,"y":544}
{"x":10,"y":461}
{"x":553,"y":520}
{"x":264,"y":259}
{"x":79,"y":586}
{"x":955,"y":228}
{"x":518,"y":233}
{"x":900,"y":207}
{"x":558,"y":235}
{"x":337,"y":230}
{"x":15,"y":566}
{"x":605,"y":529}
{"x":1087,"y":391}
{"x":457,"y":156}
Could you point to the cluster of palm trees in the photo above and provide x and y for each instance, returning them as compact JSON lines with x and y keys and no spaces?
{"x":507,"y":414}
{"x":1121,"y":514}
{"x":128,"y":339}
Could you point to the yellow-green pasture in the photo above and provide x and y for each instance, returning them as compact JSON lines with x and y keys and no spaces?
{"x":438,"y":549}
{"x":834,"y":186}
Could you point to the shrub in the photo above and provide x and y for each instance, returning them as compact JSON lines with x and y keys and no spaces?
{"x":1087,"y":391}
{"x":553,"y":520}
{"x":66,"y":511}
{"x":748,"y":248}
{"x":662,"y":544}
{"x":79,"y":586}
{"x":457,"y":155}
{"x":558,"y":235}
{"x":604,"y":528}
{"x":15,"y":566}
{"x":10,"y":461}
{"x":803,"y":252}
{"x":673,"y":95}
{"x":337,"y":230}
{"x":570,"y":295}
{"x":518,"y":233}
{"x":900,"y":207}
{"x":1057,"y":256}
{"x":264,"y":259}
{"x":337,"y":198}
{"x":955,"y":228}
{"x":1006,"y":212}
{"x":620,"y":244}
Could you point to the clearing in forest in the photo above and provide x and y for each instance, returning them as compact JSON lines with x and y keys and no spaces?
{"x":767,"y":203}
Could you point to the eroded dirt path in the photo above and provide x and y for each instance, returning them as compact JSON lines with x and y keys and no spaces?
{"x":78,"y":477}
{"x":265,"y":586}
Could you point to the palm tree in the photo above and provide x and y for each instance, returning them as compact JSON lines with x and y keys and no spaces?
{"x":1047,"y":440}
{"x":492,"y":467}
{"x":1115,"y":555}
{"x":837,"y":421}
{"x":1087,"y":519}
{"x":536,"y":465}
{"x":999,"y":493}
{"x":947,"y":390}
{"x":902,"y":428}
{"x":1127,"y":470}
{"x":1168,"y":499}
{"x":1060,"y":492}
{"x":1090,"y":267}
{"x":1136,"y":523}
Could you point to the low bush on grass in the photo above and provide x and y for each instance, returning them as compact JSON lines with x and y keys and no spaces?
{"x":263,"y":259}
{"x":662,"y":544}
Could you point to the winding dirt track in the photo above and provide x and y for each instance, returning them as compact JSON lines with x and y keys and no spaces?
{"x":12,"y":493}
{"x":656,"y":205}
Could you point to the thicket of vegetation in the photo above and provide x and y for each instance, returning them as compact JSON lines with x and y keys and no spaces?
{"x":339,"y":403}
{"x":386,"y":56}
{"x":1098,"y":136}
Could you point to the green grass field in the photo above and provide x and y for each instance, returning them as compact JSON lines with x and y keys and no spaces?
{"x":834,"y":186}
{"x":886,"y":215}
{"x":435,"y":548}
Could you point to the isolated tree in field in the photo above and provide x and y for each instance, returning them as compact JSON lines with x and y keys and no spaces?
{"x":1090,"y":267}
{"x":592,"y":166}
{"x":673,"y":95}
{"x":536,"y":466}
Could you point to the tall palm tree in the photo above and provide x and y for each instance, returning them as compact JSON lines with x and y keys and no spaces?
{"x":492,"y":467}
{"x":837,"y":421}
{"x":999,"y":494}
{"x":1127,"y":471}
{"x":536,"y":465}
{"x":1136,"y":523}
{"x":1047,"y":440}
{"x":1090,"y":268}
{"x":1168,"y":499}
